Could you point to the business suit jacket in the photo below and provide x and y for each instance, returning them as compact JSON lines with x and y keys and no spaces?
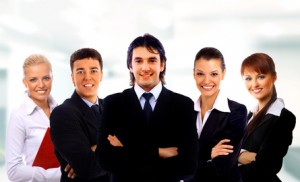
{"x":221,"y":125}
{"x":270,"y":140}
{"x":73,"y":129}
{"x":171,"y":125}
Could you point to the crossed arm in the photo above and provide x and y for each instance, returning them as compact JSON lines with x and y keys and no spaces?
{"x":222,"y":148}
{"x":163,"y":152}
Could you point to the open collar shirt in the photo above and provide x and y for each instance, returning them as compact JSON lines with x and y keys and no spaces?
{"x":220,"y":104}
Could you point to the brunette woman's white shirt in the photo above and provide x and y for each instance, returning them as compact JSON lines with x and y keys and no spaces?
{"x":220,"y":104}
{"x":25,"y":131}
{"x":274,"y":109}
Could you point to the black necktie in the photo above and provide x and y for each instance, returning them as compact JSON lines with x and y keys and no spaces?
{"x":96,"y":110}
{"x":147,"y":106}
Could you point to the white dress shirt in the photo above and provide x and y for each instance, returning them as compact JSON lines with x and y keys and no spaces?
{"x":221,"y":104}
{"x":25,"y":131}
{"x":155,"y":91}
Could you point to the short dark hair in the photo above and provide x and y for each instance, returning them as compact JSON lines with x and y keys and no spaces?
{"x":208,"y":53}
{"x":86,"y":53}
{"x":152,"y":44}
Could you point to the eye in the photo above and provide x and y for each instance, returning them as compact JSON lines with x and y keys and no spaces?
{"x":152,"y":60}
{"x":47,"y":78}
{"x":199,"y":74}
{"x":137,"y":60}
{"x":247,"y":78}
{"x":32,"y":80}
{"x":261,"y":77}
{"x":95,"y":70}
{"x":214,"y":74}
{"x":79,"y":72}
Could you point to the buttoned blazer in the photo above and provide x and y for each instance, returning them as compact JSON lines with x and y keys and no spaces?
{"x":73,"y":130}
{"x":270,"y":140}
{"x":171,"y":125}
{"x":221,"y":125}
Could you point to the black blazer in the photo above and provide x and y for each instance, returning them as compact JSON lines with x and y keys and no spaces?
{"x":171,"y":125}
{"x":221,"y":125}
{"x":73,"y":129}
{"x":270,"y":140}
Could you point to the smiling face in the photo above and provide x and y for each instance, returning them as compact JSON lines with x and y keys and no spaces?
{"x":86,"y":77}
{"x":259,"y":85}
{"x":38,"y":80}
{"x":146,"y":67}
{"x":208,"y":75}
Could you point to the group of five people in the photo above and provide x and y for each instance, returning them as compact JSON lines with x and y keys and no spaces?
{"x":148,"y":133}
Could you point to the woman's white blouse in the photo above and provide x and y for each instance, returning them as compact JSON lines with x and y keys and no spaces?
{"x":25,"y":131}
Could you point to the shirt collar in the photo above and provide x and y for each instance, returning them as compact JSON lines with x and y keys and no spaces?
{"x":30,"y":106}
{"x":274,"y":109}
{"x":220,"y":104}
{"x":90,"y":103}
{"x":155,"y":90}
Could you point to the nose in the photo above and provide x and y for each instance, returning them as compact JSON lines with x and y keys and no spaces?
{"x":254,"y":82}
{"x":145,"y":66}
{"x":41,"y":83}
{"x":206,"y":79}
{"x":87,"y":75}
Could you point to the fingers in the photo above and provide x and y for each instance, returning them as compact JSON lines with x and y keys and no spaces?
{"x":168,"y":152}
{"x":223,"y":141}
{"x":221,"y":148}
{"x":114,"y":141}
{"x":94,"y":147}
{"x":67,"y":168}
{"x":71,"y":173}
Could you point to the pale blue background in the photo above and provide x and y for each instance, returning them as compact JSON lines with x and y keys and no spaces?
{"x":238,"y":28}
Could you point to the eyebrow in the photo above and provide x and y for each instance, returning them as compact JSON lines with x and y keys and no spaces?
{"x":79,"y":69}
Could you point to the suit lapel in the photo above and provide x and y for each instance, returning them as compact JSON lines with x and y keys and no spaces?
{"x":162,"y":106}
{"x":135,"y":109}
{"x":214,"y":124}
{"x":261,"y":123}
{"x":87,"y":113}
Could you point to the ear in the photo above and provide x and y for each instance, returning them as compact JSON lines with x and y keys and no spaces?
{"x":223,"y":74}
{"x":275,"y":77}
{"x":24,"y":82}
{"x":72,"y":76}
{"x":101,"y":76}
{"x":162,"y":66}
{"x":130,"y":68}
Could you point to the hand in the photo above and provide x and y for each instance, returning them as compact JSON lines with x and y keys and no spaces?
{"x":221,"y":149}
{"x":247,"y":157}
{"x":71,"y":173}
{"x":114,"y":141}
{"x":94,"y":147}
{"x":167,"y":152}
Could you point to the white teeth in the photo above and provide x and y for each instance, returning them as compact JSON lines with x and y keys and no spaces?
{"x":88,"y":85}
{"x":41,"y":91}
{"x":256,"y":90}
{"x":207,"y":87}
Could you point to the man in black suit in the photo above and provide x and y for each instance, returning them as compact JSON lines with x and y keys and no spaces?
{"x":73,"y":124}
{"x":139,"y":146}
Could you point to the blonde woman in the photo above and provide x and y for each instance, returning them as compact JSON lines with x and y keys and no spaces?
{"x":28,"y":123}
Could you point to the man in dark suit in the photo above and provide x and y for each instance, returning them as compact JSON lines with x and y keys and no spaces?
{"x":73,"y":124}
{"x":141,"y":145}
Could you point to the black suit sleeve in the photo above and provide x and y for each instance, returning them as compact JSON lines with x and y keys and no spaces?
{"x":71,"y":142}
{"x":111,"y":158}
{"x":273,"y":148}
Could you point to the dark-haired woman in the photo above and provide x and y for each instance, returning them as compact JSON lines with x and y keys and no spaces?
{"x":217,"y":118}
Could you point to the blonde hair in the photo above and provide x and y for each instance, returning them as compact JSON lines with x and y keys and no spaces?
{"x":35,"y":59}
